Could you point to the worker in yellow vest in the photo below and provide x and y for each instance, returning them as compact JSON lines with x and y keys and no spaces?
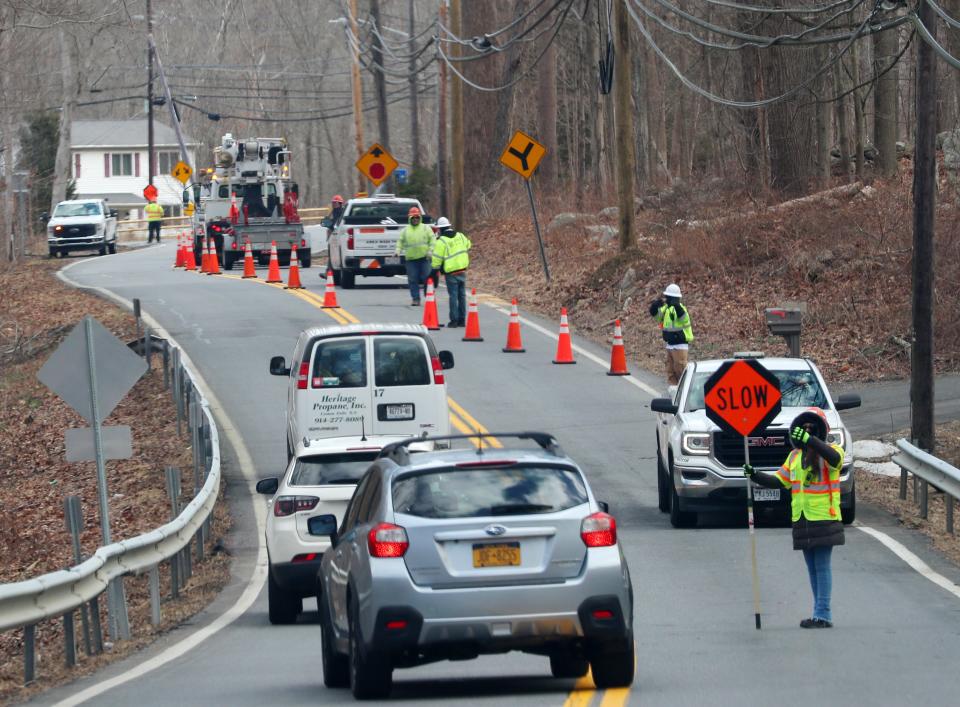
{"x":154,"y":213}
{"x":812,"y":473}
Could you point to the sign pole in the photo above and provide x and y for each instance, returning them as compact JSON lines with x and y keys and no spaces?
{"x":536,"y":226}
{"x":753,"y":540}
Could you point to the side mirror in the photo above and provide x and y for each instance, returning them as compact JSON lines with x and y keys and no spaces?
{"x":278,"y":367}
{"x":114,"y":213}
{"x":327,"y":222}
{"x":604,"y":506}
{"x":446,"y":360}
{"x":268,"y":487}
{"x":323,"y":525}
{"x":847,"y":401}
{"x":663,"y":405}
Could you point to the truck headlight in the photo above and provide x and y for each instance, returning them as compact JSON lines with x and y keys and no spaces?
{"x":836,"y":437}
{"x":100,"y":228}
{"x":695,"y":442}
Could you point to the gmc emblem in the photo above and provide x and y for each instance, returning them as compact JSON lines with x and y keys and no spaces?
{"x":766,"y":441}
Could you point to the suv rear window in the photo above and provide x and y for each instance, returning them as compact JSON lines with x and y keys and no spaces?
{"x":346,"y":468}
{"x":488,"y":491}
{"x":365,"y":214}
{"x":340,"y":364}
{"x":400,"y":362}
{"x":797,"y":389}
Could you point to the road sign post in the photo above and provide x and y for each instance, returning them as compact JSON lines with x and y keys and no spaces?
{"x":743,"y":397}
{"x":522,"y":155}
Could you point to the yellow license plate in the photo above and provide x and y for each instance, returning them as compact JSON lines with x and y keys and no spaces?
{"x":496,"y":555}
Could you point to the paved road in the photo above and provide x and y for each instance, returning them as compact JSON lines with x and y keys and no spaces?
{"x":896,"y":635}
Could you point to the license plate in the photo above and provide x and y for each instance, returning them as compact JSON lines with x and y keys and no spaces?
{"x":496,"y":555}
{"x":403,"y":411}
{"x":766,"y":494}
{"x":392,"y":260}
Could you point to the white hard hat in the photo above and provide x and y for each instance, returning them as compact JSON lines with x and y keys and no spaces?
{"x":443,"y":222}
{"x":673,"y":290}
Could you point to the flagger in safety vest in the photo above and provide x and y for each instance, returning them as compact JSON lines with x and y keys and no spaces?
{"x":414,"y":244}
{"x":812,"y":473}
{"x":154,"y":213}
{"x":674,"y":321}
{"x":451,"y":256}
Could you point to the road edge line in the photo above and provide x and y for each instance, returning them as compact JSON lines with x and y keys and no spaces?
{"x":915,"y":563}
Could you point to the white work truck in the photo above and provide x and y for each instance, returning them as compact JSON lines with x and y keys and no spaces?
{"x":82,"y":224}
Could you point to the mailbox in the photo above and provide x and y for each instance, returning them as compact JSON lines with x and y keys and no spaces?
{"x":786,"y":323}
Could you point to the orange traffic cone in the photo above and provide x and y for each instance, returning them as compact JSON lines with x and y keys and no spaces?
{"x":472,"y":332}
{"x":205,"y":257}
{"x":273,"y":272}
{"x":431,"y":320}
{"x":514,"y":343}
{"x":293,"y":279}
{"x":330,"y":294}
{"x":181,"y":260}
{"x":618,"y":355}
{"x":234,"y":211}
{"x":564,"y":344}
{"x":213,"y":263}
{"x":248,"y":269}
{"x":190,"y":260}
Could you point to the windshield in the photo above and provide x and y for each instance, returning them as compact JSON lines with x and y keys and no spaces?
{"x":346,"y":468}
{"x":797,"y":389}
{"x":77,"y":210}
{"x":386,"y":213}
{"x":488,"y":491}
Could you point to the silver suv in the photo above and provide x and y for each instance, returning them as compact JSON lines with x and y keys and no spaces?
{"x":700,"y":467}
{"x":457,"y":553}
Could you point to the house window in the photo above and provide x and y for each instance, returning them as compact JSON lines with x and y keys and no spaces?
{"x":121,"y":164}
{"x":166,"y":161}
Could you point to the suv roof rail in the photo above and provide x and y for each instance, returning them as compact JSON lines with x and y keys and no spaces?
{"x":398,"y":452}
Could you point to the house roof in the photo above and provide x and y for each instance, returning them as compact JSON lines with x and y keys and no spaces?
{"x":122,"y":133}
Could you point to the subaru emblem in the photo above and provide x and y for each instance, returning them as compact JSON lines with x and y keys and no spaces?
{"x":494,"y":530}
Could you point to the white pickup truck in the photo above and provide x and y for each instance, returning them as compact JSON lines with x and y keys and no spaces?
{"x":82,"y":224}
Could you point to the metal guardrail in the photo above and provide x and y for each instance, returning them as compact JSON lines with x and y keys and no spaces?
{"x":24,"y":604}
{"x":927,"y":470}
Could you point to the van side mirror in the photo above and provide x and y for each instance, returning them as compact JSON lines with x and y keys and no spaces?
{"x":847,"y":401}
{"x":268,"y":487}
{"x":604,"y":506}
{"x":278,"y":367}
{"x":446,"y":360}
{"x":663,"y":405}
{"x":323,"y":525}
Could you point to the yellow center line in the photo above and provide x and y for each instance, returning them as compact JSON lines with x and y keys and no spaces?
{"x":582,"y":693}
{"x":471,"y":424}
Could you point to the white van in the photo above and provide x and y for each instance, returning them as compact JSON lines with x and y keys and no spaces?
{"x":365,"y":379}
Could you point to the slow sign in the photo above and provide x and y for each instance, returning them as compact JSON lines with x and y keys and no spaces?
{"x":742,"y":396}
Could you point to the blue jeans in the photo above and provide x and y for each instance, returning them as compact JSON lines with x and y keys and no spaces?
{"x":457,"y":288}
{"x":417,"y":273}
{"x":821,"y":580}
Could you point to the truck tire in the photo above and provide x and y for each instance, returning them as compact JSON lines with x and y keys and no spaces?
{"x":228,"y":261}
{"x":678,"y":518}
{"x":347,"y":279}
{"x":112,"y":248}
{"x":613,"y":667}
{"x":102,"y":250}
{"x":663,"y":490}
{"x":850,"y":514}
{"x":336,"y":273}
{"x":54,"y":252}
{"x":304,"y":259}
{"x":282,"y":607}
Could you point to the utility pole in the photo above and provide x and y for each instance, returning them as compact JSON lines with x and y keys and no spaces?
{"x":623,"y":124}
{"x":414,"y":113}
{"x":151,"y":157}
{"x":379,"y":79}
{"x":456,"y":122}
{"x":443,"y":197}
{"x":357,"y":92}
{"x":924,"y":207}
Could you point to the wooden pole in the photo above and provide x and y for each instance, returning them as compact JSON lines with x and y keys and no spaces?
{"x":380,"y":82}
{"x":443,"y":196}
{"x":357,"y":93}
{"x":456,"y":122}
{"x":414,"y":105}
{"x":623,"y":125}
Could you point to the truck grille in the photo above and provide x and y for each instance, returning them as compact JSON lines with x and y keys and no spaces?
{"x":83,"y":230}
{"x":769,"y":448}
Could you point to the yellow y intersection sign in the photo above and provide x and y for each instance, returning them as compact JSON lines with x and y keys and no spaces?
{"x":523,"y":154}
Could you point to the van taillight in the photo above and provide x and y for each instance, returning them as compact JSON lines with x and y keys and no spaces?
{"x":303,"y":375}
{"x":350,"y":238}
{"x":437,"y":370}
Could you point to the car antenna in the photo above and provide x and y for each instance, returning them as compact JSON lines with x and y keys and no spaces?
{"x":479,"y":443}
{"x":363,"y":431}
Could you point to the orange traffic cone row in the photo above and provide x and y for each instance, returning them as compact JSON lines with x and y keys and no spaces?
{"x":248,"y":269}
{"x":330,"y":294}
{"x":293,"y":279}
{"x":564,"y":344}
{"x":205,"y":257}
{"x":273,"y":272}
{"x":213,"y":263}
{"x":178,"y":262}
{"x":431,"y":320}
{"x":472,"y":332}
{"x":514,"y":342}
{"x":618,"y":354}
{"x":189,"y":259}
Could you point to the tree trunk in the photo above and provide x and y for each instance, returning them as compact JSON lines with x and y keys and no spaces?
{"x":624,"y":126}
{"x":886,"y":45}
{"x":69,"y":56}
{"x":843,"y":128}
{"x":547,"y":114}
{"x":858,"y":122}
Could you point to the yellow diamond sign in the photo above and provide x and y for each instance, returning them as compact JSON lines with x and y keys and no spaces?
{"x":182,"y":172}
{"x":188,"y":209}
{"x":376,"y":164}
{"x":523,"y":154}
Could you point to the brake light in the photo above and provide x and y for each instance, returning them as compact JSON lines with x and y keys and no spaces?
{"x":600,"y":614}
{"x":288,"y":505}
{"x":303,"y":375}
{"x":437,"y":370}
{"x":396,"y":625}
{"x":387,"y":540}
{"x":310,"y":556}
{"x":599,"y":530}
{"x":303,"y":242}
{"x":216,"y":228}
{"x":234,"y":245}
{"x":350,"y":239}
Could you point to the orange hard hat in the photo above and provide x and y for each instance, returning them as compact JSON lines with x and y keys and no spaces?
{"x":338,"y":199}
{"x":414,"y":211}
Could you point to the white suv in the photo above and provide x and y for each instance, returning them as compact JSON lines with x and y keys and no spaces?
{"x":364,"y":241}
{"x":700,"y":467}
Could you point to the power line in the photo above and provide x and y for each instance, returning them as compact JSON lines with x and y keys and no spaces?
{"x":931,"y":40}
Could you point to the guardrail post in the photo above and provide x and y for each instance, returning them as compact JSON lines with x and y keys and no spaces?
{"x":154,"y":575}
{"x":29,"y":654}
{"x":73,"y":514}
{"x":173,"y":491}
{"x":178,"y":389}
{"x":903,"y":484}
{"x":136,"y":313}
{"x":948,"y":503}
{"x":122,"y":629}
{"x":69,"y":640}
{"x":148,"y":347}
{"x":97,"y":627}
{"x":166,"y":367}
{"x":924,"y":499}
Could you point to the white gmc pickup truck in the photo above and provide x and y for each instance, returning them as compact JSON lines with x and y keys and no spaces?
{"x":83,"y":224}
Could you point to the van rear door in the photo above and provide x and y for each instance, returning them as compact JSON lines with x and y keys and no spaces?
{"x":405,"y":400}
{"x":337,"y":401}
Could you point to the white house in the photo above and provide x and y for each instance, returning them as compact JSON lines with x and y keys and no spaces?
{"x":109,"y":161}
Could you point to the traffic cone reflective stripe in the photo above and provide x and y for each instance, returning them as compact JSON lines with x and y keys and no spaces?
{"x":273,"y":272}
{"x":181,"y":259}
{"x":205,"y":257}
{"x":472,"y":332}
{"x":618,"y":355}
{"x":564,"y":344}
{"x":190,"y":260}
{"x":514,"y":343}
{"x":431,"y":320}
{"x":248,"y":268}
{"x":293,"y":278}
{"x":213,"y":264}
{"x":330,"y":293}
{"x":234,"y":211}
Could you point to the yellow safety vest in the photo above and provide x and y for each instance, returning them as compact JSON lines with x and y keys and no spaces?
{"x":415,"y":241}
{"x":813,"y":494}
{"x":673,"y":323}
{"x":154,"y":211}
{"x":450,"y":254}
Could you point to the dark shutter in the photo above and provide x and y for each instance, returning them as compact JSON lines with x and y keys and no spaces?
{"x":106,"y":164}
{"x":76,"y":165}
{"x":136,"y":164}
